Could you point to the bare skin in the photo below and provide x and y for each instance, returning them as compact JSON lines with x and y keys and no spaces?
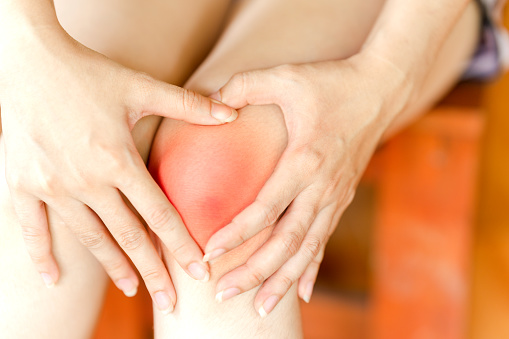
{"x":27,"y":308}
{"x":337,"y":112}
{"x":176,"y":145}
{"x":258,"y":37}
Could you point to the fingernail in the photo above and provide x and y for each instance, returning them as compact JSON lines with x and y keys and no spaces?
{"x":127,"y":286}
{"x":308,"y":292}
{"x":48,"y":280}
{"x":227,"y":294}
{"x":223,"y":113}
{"x":163,"y":302}
{"x":214,"y":254}
{"x":268,"y":305}
{"x":198,"y":272}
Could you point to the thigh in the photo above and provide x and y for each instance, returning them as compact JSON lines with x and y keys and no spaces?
{"x":166,"y":39}
{"x":28,"y":309}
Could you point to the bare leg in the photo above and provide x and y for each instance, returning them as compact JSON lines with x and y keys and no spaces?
{"x":166,"y":40}
{"x":207,"y":171}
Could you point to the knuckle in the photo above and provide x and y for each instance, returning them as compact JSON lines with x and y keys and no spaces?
{"x":37,"y":257}
{"x":242,"y":237}
{"x":311,"y":247}
{"x":239,"y":80}
{"x":190,"y":101}
{"x":144,"y":84}
{"x":151,"y":275}
{"x":285,"y":281}
{"x":179,"y":249}
{"x":114,"y":268}
{"x":92,"y":239}
{"x":126,"y":165}
{"x":240,"y":234}
{"x":315,"y":158}
{"x":32,"y":235}
{"x":331,"y":187}
{"x":319,"y":257}
{"x":256,"y":278}
{"x":290,"y":73}
{"x":112,"y":156}
{"x":48,"y":184}
{"x":291,"y":242}
{"x":160,"y":219}
{"x":131,"y":239}
{"x":269,"y":212}
{"x":83,"y":183}
{"x":350,"y":196}
{"x":287,"y":70}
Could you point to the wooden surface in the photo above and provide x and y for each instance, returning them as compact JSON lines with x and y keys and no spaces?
{"x":490,"y":294}
{"x":125,"y":318}
{"x":490,"y":275}
{"x":330,"y":316}
{"x":425,"y":202}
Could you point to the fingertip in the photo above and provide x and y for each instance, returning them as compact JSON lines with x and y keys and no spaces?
{"x":268,"y":305}
{"x":50,"y":274}
{"x":308,"y":291}
{"x":199,"y":271}
{"x":223,"y":113}
{"x":164,"y":302}
{"x":48,"y":280}
{"x":213,"y":254}
{"x":233,"y":116}
{"x":128,"y":286}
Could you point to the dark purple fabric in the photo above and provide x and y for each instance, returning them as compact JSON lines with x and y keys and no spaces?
{"x":486,"y":63}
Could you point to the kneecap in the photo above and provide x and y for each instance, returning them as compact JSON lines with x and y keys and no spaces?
{"x":211,"y":173}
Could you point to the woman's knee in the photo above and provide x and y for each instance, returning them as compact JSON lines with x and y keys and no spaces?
{"x":211,"y":173}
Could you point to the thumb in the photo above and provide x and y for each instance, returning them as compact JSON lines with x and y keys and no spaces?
{"x":251,"y":88}
{"x":163,"y":99}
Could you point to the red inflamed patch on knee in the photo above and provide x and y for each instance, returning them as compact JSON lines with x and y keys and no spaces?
{"x":210,"y":174}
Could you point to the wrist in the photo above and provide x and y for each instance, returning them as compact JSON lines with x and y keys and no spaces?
{"x":391,"y":88}
{"x":404,"y":60}
{"x":24,"y":21}
{"x":27,"y":13}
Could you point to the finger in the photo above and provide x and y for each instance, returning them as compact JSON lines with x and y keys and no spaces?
{"x":284,"y":242}
{"x":160,"y":98}
{"x":92,"y":233}
{"x":274,"y":197}
{"x":308,"y":278}
{"x":162,"y":218}
{"x":261,"y":87}
{"x":274,"y":288}
{"x":33,"y":219}
{"x":134,"y":240}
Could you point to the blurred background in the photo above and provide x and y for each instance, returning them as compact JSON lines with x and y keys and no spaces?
{"x":423,"y":251}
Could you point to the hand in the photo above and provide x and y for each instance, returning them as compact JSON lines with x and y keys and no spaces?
{"x":336,"y":114}
{"x":67,"y":113}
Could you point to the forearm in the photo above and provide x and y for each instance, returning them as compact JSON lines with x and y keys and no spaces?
{"x":28,"y":29}
{"x":24,"y":16}
{"x":409,"y":35}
